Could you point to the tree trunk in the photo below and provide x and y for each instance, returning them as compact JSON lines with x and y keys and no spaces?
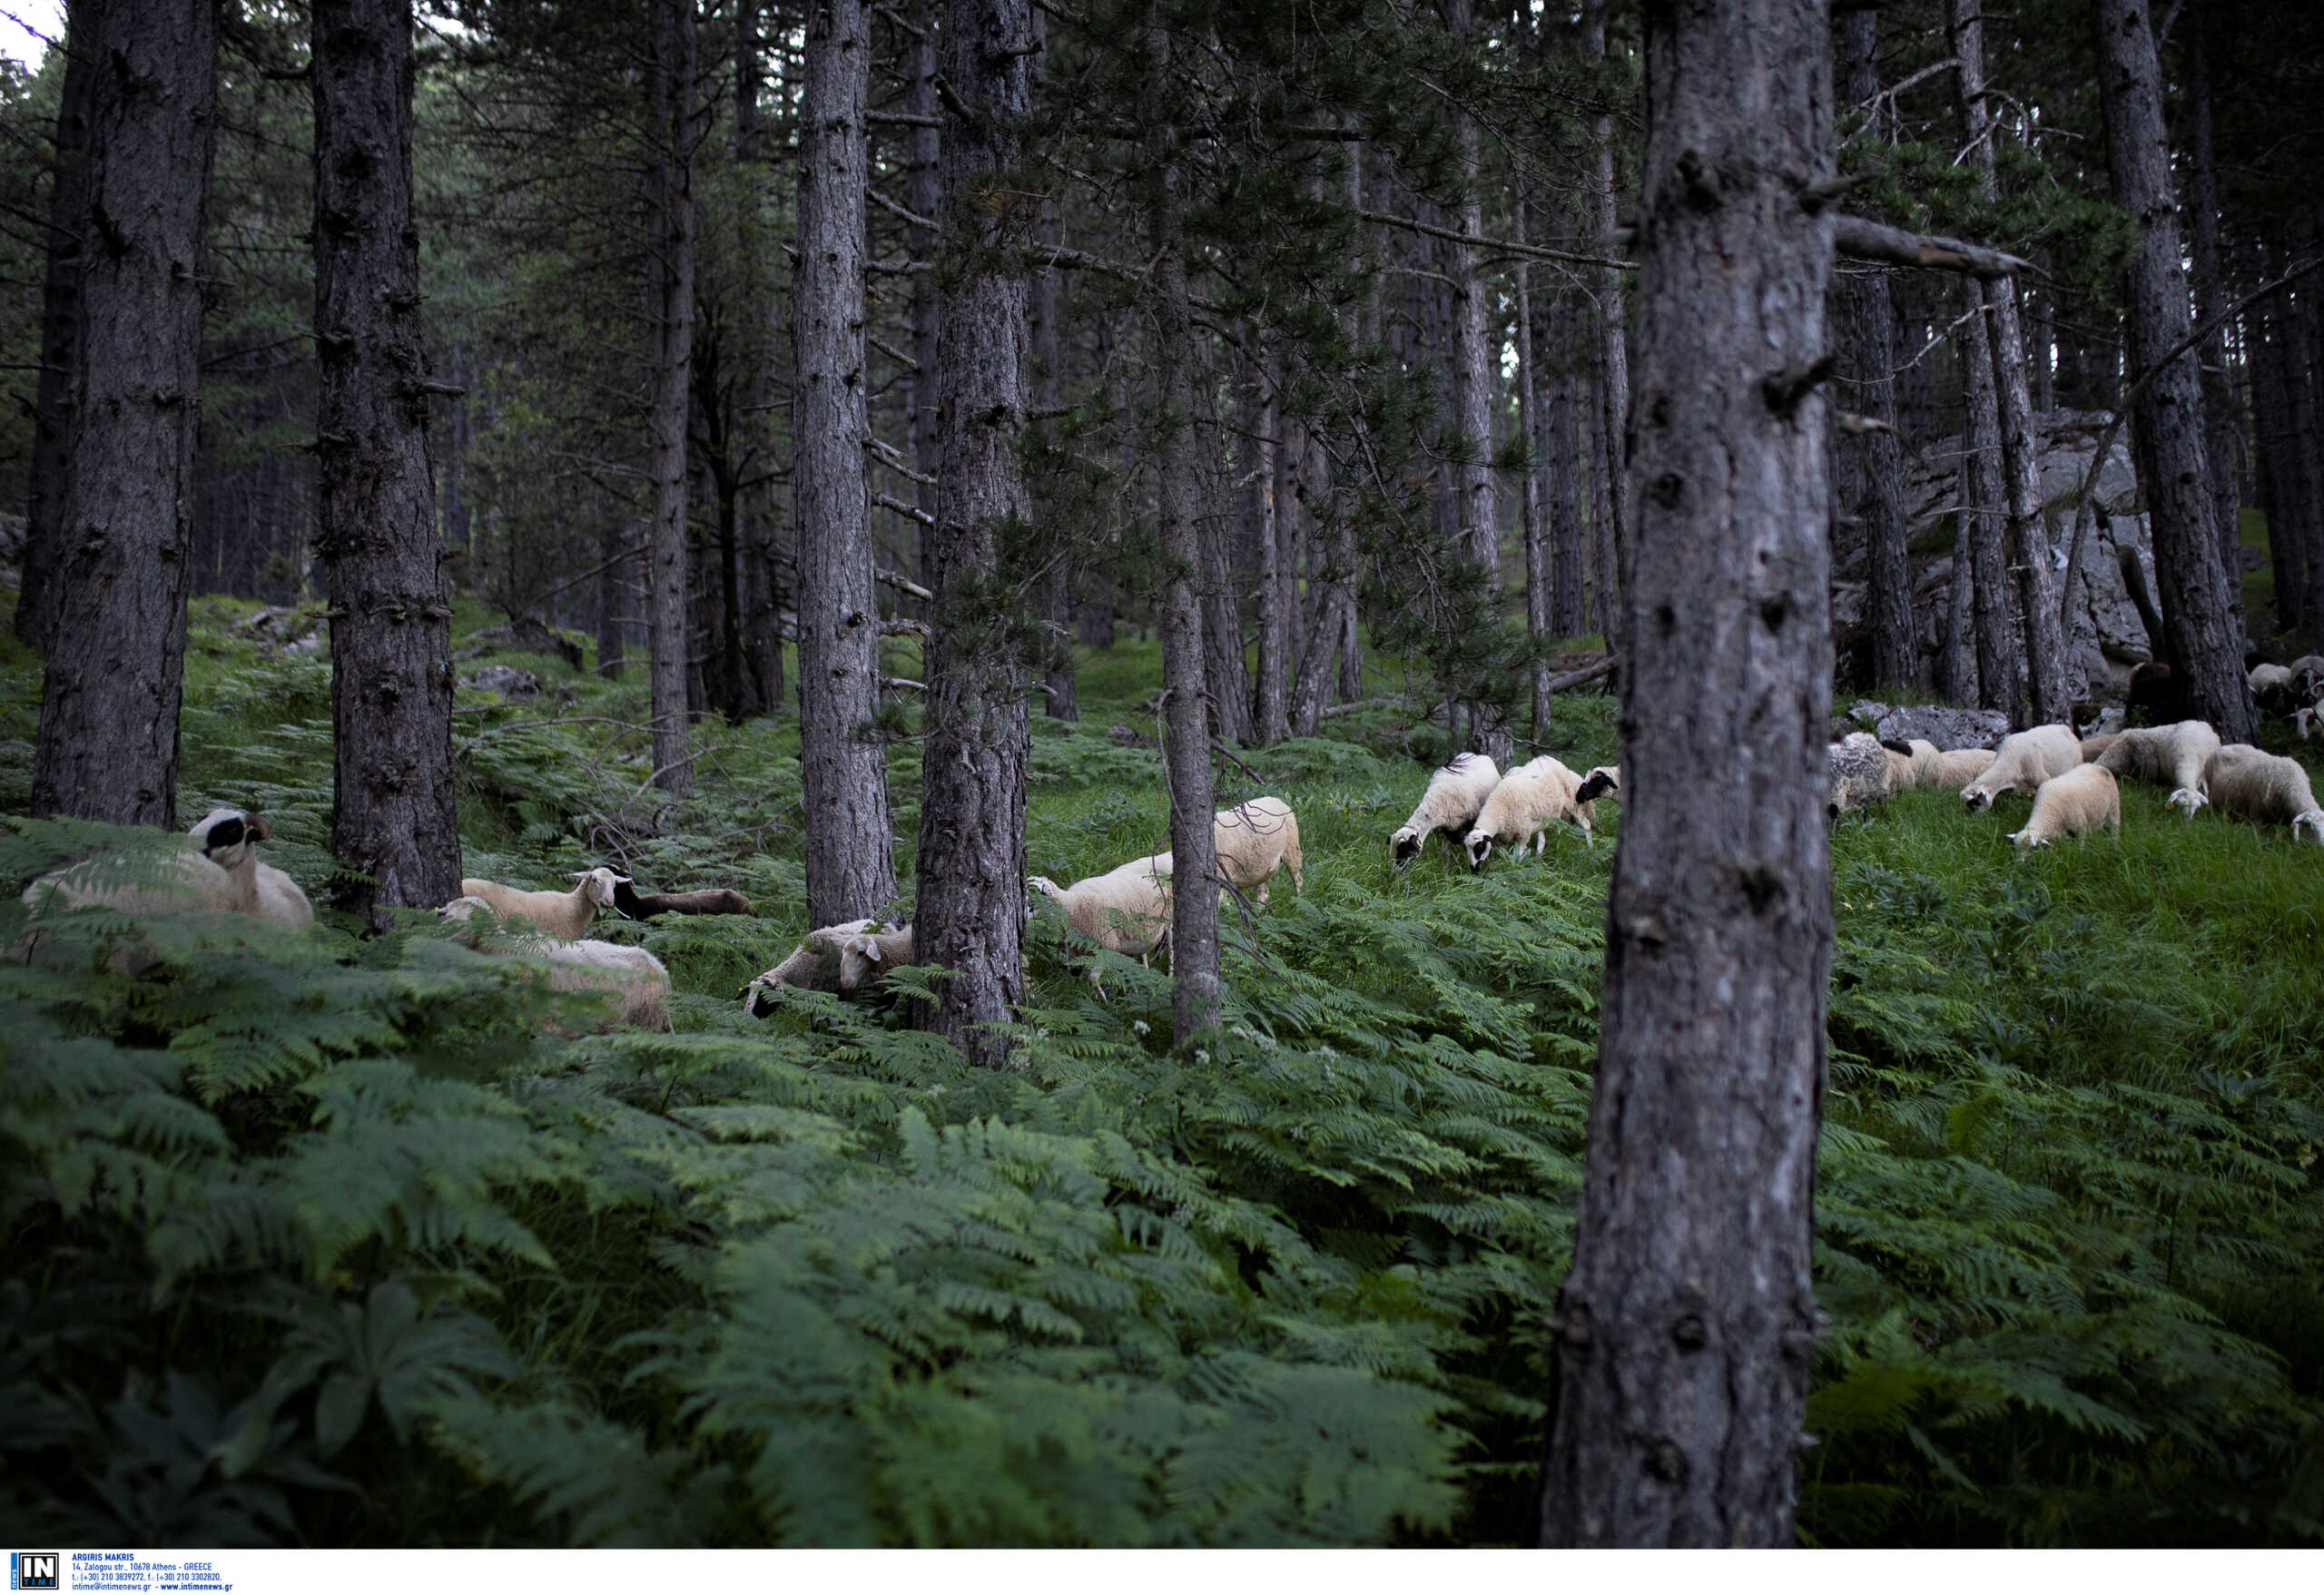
{"x":923,"y":192}
{"x":1687,"y":1327}
{"x":2001,"y":668}
{"x":2286,"y":473}
{"x":1613,"y":359}
{"x":1538,"y":628}
{"x":2303,"y":351}
{"x":613,"y":537}
{"x":1476,"y":519}
{"x":971,"y":913}
{"x":60,"y":327}
{"x":108,"y":740}
{"x":395,"y":821}
{"x":1194,"y":903}
{"x":1957,"y":669}
{"x":1567,"y":459}
{"x":670,"y":299}
{"x":1869,"y":324}
{"x":850,"y":865}
{"x":2167,"y":420}
{"x":1055,"y":585}
{"x":2049,"y":696}
{"x":1256,"y":458}
{"x":2222,"y":412}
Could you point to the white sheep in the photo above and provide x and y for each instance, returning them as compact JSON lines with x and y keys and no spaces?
{"x":1603,"y":781}
{"x":843,"y":957}
{"x":2084,"y":799}
{"x":2023,"y":762}
{"x":2272,"y":688}
{"x":2165,"y":756}
{"x":1456,"y":797}
{"x":1521,"y":810}
{"x":2308,"y":678}
{"x":1912,"y":764}
{"x":1856,"y":772}
{"x":562,"y":914}
{"x":221,"y":874}
{"x":1957,"y":767}
{"x":631,"y":974}
{"x":2252,"y":785}
{"x":2307,"y":722}
{"x":2093,"y":746}
{"x":1126,"y":910}
{"x":1256,"y":839}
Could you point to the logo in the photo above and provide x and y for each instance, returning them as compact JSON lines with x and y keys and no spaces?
{"x":33,"y":1570}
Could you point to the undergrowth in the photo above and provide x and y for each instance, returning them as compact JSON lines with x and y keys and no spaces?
{"x":331,"y":1240}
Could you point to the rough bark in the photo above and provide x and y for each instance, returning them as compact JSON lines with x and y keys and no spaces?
{"x":1255,"y":459}
{"x":395,"y":824}
{"x":1568,"y":462}
{"x":2049,"y":695}
{"x":2167,"y":419}
{"x":2222,"y":412}
{"x":923,"y":194}
{"x":60,"y":328}
{"x":843,"y":768}
{"x":2000,"y":665}
{"x":670,"y":304}
{"x":1055,"y":595}
{"x":2287,"y":473}
{"x":1869,"y":326}
{"x":970,"y":916}
{"x":108,"y":739}
{"x":2302,"y":322}
{"x":1536,"y":510}
{"x":1475,"y":518}
{"x":1686,"y":1328}
{"x":1614,"y":361}
{"x":614,"y":539}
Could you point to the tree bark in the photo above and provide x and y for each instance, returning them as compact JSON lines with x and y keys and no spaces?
{"x":1538,"y":628}
{"x":1686,"y":1328}
{"x":60,"y":328}
{"x":1567,"y":461}
{"x":108,"y":739}
{"x":1869,"y":321}
{"x":396,"y":822}
{"x":2303,"y":350}
{"x":2287,"y":473}
{"x":971,"y":910}
{"x":1255,"y":459}
{"x":843,"y":768}
{"x":1471,"y":451}
{"x":2222,"y":411}
{"x":614,"y":539}
{"x":923,"y":192}
{"x":670,"y":301}
{"x":2167,"y":418}
{"x":1613,"y":360}
{"x":2049,"y":695}
{"x":2000,"y":666}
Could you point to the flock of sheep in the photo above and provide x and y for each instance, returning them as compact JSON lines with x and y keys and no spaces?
{"x":2073,"y":781}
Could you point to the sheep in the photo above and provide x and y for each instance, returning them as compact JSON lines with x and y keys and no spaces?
{"x":635,"y":904}
{"x":1912,"y":764}
{"x":221,"y":874}
{"x":562,"y":914}
{"x":2093,"y":746}
{"x":1456,"y":797}
{"x":1603,"y":781}
{"x":1521,"y":810}
{"x":845,"y":958}
{"x":2171,"y":755}
{"x":2272,"y":688}
{"x":631,"y":974}
{"x":2252,"y":785}
{"x":1856,"y":771}
{"x":1254,"y":839}
{"x":2025,"y":760}
{"x":1957,"y":767}
{"x":2083,"y":800}
{"x":1125,"y":909}
{"x":2307,"y":722}
{"x":2308,"y":678}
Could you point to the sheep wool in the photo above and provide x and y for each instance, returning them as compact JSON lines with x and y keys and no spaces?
{"x":1914,"y":764}
{"x":1125,"y":909}
{"x":2165,"y":756}
{"x":2272,"y":689}
{"x":1857,"y":767}
{"x":2023,"y":762}
{"x":220,"y":874}
{"x":1456,"y":797}
{"x":2308,"y":679}
{"x":843,"y":957}
{"x":1256,"y":839}
{"x":562,"y":914}
{"x":632,"y":975}
{"x":1520,"y":810}
{"x":2084,"y":799}
{"x":1957,"y":767}
{"x":2248,"y":784}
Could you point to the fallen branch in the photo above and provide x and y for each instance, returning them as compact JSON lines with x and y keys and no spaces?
{"x":1877,"y":240}
{"x":1531,"y":251}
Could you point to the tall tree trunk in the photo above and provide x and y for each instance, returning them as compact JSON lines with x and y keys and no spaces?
{"x":1057,"y":584}
{"x":2279,"y":466}
{"x":1685,"y":1329}
{"x":60,"y":326}
{"x":670,"y":301}
{"x":971,"y":913}
{"x":923,"y":192}
{"x":1957,"y":667}
{"x":1868,"y":329}
{"x":1255,"y":459}
{"x":1567,"y":459}
{"x":1477,"y":522}
{"x":2049,"y":696}
{"x":613,"y":537}
{"x":851,"y":864}
{"x":1538,"y":628}
{"x":2001,"y":668}
{"x":758,"y":515}
{"x":2222,"y":412}
{"x":1193,"y":864}
{"x":396,"y":819}
{"x":1613,"y":359}
{"x":2302,"y":322}
{"x":2167,"y":420}
{"x":108,"y":740}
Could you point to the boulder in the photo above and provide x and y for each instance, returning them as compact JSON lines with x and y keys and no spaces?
{"x":507,"y":681}
{"x":1948,"y":728}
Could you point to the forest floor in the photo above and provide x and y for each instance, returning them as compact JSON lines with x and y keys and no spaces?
{"x":803,"y":1279}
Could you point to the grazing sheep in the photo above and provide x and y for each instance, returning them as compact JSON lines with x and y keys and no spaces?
{"x":2023,"y":762}
{"x":631,"y":974}
{"x":2307,"y":722}
{"x":1256,"y":839}
{"x":2083,"y":800}
{"x":1125,"y":909}
{"x":635,"y":904}
{"x":221,"y":874}
{"x":843,"y":959}
{"x":1957,"y":767}
{"x":1456,"y":797}
{"x":2245,"y":783}
{"x":2093,"y":746}
{"x":1914,"y":764}
{"x":2165,"y":756}
{"x":1521,"y":810}
{"x":1857,"y":767}
{"x":2272,"y":689}
{"x":562,"y":914}
{"x":1603,"y":781}
{"x":2308,"y":678}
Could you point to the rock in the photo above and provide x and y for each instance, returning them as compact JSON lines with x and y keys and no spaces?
{"x":510,"y":683}
{"x":2107,"y":636}
{"x":1866,"y":713}
{"x":1948,"y":728}
{"x":1128,"y":738}
{"x":2063,"y":468}
{"x":2109,"y":720}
